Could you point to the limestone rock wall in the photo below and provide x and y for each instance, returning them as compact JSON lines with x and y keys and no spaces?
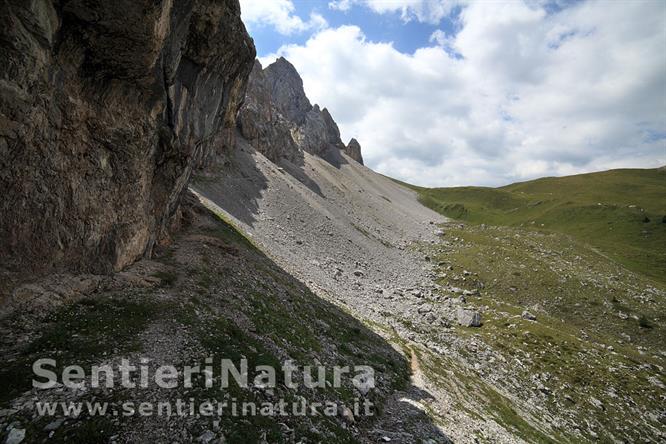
{"x":105,"y":109}
{"x":286,"y":88}
{"x":262,"y":124}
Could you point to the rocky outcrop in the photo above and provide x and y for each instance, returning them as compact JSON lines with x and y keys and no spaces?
{"x":105,"y":109}
{"x":286,"y":88}
{"x":319,"y":134}
{"x":353,"y":150}
{"x":279,"y":121}
{"x":262,"y":124}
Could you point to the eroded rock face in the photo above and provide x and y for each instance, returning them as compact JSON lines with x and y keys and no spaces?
{"x":319,"y":134}
{"x":278,"y":119}
{"x":286,"y":88}
{"x":105,"y":109}
{"x":353,"y":150}
{"x":262,"y":124}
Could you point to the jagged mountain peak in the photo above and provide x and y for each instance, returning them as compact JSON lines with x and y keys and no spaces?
{"x":353,"y":150}
{"x":282,"y":62}
{"x":279,"y":120}
{"x":286,"y":88}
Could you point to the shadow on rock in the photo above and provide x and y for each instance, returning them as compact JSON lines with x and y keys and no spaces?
{"x":219,"y":297}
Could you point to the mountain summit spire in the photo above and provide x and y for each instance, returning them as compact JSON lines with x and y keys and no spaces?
{"x":280,"y":121}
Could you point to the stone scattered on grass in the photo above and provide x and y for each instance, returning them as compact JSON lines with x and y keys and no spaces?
{"x":529,"y":316}
{"x":468,"y":318}
{"x":54,"y":424}
{"x":15,"y":436}
{"x":206,"y":437}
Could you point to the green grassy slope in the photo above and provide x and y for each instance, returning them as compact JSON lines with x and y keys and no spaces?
{"x":599,"y":331}
{"x":619,"y":212}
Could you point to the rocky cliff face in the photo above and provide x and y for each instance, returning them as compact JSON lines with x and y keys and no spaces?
{"x":353,"y":150}
{"x":319,"y":134}
{"x":262,"y":124}
{"x":286,"y":88}
{"x":278,"y":119}
{"x":105,"y":109}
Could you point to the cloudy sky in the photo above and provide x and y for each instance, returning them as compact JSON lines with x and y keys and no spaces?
{"x":448,"y":92}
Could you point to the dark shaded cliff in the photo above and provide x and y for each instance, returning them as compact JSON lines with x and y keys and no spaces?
{"x":105,"y":109}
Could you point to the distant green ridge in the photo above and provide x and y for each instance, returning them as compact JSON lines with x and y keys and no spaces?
{"x":620,"y":212}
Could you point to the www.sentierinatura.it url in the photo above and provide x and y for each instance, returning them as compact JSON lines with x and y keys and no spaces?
{"x":180,"y":407}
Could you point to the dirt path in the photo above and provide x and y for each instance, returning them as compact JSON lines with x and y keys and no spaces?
{"x":415,"y":366}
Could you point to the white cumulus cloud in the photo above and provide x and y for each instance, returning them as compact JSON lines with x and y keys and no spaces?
{"x":516,"y":94}
{"x":278,"y":14}
{"x":428,"y":11}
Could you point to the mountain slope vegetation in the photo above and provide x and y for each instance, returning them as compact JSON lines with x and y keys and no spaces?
{"x":567,"y":275}
{"x":620,"y":212}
